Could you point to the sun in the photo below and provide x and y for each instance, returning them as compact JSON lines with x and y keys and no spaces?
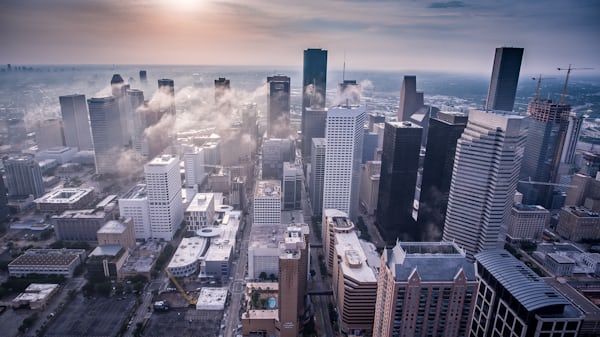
{"x":183,"y":5}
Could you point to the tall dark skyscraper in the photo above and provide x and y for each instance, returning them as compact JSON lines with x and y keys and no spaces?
{"x":505,"y":77}
{"x":143,"y":76}
{"x":314,"y":82}
{"x":399,"y":166}
{"x":278,"y":106}
{"x":410,"y":99}
{"x":76,"y":125}
{"x":166,"y":88}
{"x":106,"y":133}
{"x":444,"y":131}
{"x":545,"y":139}
{"x":314,"y":120}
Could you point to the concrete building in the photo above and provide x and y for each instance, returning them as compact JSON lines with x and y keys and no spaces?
{"x":505,"y":77}
{"x":263,"y":250}
{"x":341,"y":182}
{"x":354,"y":284}
{"x":106,"y":260}
{"x":278,"y":106}
{"x":163,"y":188}
{"x":186,"y":260}
{"x":47,"y":262}
{"x":527,"y":223}
{"x":79,"y":225}
{"x":200,"y":212}
{"x":411,"y":100}
{"x":23,"y":176}
{"x":63,"y":199}
{"x":513,"y":300}
{"x":117,"y":232}
{"x":424,"y":289}
{"x":134,"y":205}
{"x":166,"y":90}
{"x":578,"y":223}
{"x":267,"y":203}
{"x":292,"y":186}
{"x":369,"y":186}
{"x":482,"y":192}
{"x":212,"y":299}
{"x":61,"y":154}
{"x":35,"y":296}
{"x":559,"y":265}
{"x":257,"y":320}
{"x":105,"y":124}
{"x":314,"y":120}
{"x":76,"y":124}
{"x":584,"y":190}
{"x":275,"y":152}
{"x":49,"y":133}
{"x":334,"y":221}
{"x":317,"y":174}
{"x":195,"y":169}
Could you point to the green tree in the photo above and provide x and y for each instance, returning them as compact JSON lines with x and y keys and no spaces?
{"x":262,"y":276}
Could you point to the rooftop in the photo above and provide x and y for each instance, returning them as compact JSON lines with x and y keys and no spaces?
{"x":520,"y":281}
{"x":266,"y":236}
{"x":44,"y":257}
{"x":81,"y":214}
{"x":530,"y":208}
{"x":211,"y":299}
{"x":36,"y":292}
{"x":106,"y":250}
{"x":113,"y":227}
{"x":200,"y":202}
{"x":268,"y":188}
{"x":189,"y":251}
{"x":354,"y":260}
{"x":65,"y":195}
{"x":136,"y":192}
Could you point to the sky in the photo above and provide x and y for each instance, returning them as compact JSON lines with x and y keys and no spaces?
{"x":420,"y":35}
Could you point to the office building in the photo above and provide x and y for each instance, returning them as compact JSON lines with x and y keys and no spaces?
{"x":292,"y":186}
{"x":200,"y":212}
{"x":267,"y":203}
{"x":49,"y":133}
{"x":119,"y":92}
{"x":591,"y":321}
{"x":163,"y":188}
{"x":105,"y":124}
{"x":278,"y":106}
{"x":584,"y":190}
{"x":444,"y":131}
{"x":411,"y":100}
{"x":222,"y":89}
{"x":117,"y":232}
{"x":571,"y":138}
{"x":195,"y":169}
{"x":397,"y":181}
{"x":424,"y":289}
{"x":3,"y":201}
{"x":166,"y":103}
{"x":512,"y":300}
{"x":374,"y":118}
{"x":545,"y":139}
{"x":334,"y":221}
{"x":275,"y":152}
{"x":143,"y":76}
{"x":369,"y":186}
{"x":344,"y":134}
{"x":67,"y":198}
{"x":139,"y":120}
{"x":61,"y":154}
{"x":317,"y":174}
{"x":23,"y":176}
{"x":314,"y":85}
{"x":527,"y":223}
{"x":314,"y":120}
{"x":484,"y":180}
{"x":263,"y":250}
{"x":134,"y":205}
{"x":47,"y":262}
{"x":577,"y":223}
{"x":505,"y":77}
{"x":76,"y":124}
{"x":80,"y":225}
{"x":354,"y":283}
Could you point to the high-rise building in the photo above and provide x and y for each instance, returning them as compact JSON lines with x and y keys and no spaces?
{"x":195,"y":170}
{"x":275,"y":152}
{"x":424,"y":289}
{"x":267,"y":203}
{"x":143,"y":76}
{"x":314,"y":84}
{"x":134,"y":205}
{"x":140,"y":120}
{"x":369,"y":186}
{"x":105,"y":124}
{"x":76,"y":124}
{"x":341,"y":182}
{"x":314,"y":120}
{"x":317,"y":174}
{"x":3,"y":201}
{"x":527,"y":223}
{"x":512,"y":300}
{"x":398,"y":178}
{"x":411,"y":100}
{"x":49,"y":133}
{"x":23,"y":176}
{"x":334,"y":221}
{"x":572,"y":137}
{"x":292,"y":186}
{"x":278,"y":106}
{"x":545,"y":139}
{"x":484,"y":180}
{"x":119,"y":92}
{"x":505,"y":77}
{"x":374,"y":118}
{"x":444,"y":131}
{"x":166,"y":90}
{"x":163,"y":187}
{"x":349,"y":93}
{"x":222,"y":87}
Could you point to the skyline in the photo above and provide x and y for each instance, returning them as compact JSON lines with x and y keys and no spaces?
{"x":369,"y":35}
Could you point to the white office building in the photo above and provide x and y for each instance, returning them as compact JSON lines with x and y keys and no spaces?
{"x":484,"y":180}
{"x":163,"y":187}
{"x":134,"y":205}
{"x":201,"y":211}
{"x":195,"y":173}
{"x":267,"y":203}
{"x":344,"y":134}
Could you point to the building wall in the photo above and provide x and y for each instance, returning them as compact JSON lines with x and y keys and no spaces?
{"x":163,"y":185}
{"x":578,"y":223}
{"x":137,"y":210}
{"x":527,"y":225}
{"x":317,"y":174}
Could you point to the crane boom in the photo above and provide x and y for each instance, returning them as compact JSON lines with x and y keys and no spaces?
{"x":190,"y":300}
{"x":564,"y":92}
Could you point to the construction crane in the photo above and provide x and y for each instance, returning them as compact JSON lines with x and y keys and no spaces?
{"x":190,"y":300}
{"x":539,"y":84}
{"x":564,"y":92}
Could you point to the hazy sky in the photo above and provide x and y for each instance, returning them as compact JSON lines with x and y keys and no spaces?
{"x":457,"y":36}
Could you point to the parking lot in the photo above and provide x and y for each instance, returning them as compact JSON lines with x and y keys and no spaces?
{"x":98,"y":316}
{"x":185,"y":322}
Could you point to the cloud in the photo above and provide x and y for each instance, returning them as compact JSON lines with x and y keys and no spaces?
{"x":447,"y":4}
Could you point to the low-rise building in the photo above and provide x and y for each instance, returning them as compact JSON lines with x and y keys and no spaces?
{"x":578,"y":223}
{"x":63,"y":199}
{"x":527,"y":223}
{"x":35,"y":296}
{"x":47,"y":262}
{"x":200,"y":212}
{"x":117,"y":232}
{"x":212,"y":299}
{"x":79,"y":225}
{"x":106,"y":261}
{"x":559,"y":264}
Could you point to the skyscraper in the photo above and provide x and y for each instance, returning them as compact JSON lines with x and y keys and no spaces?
{"x":140,"y":120}
{"x":410,"y":99}
{"x":484,"y":179}
{"x":292,"y":186}
{"x":398,"y":177}
{"x":313,"y":120}
{"x":314,"y":83}
{"x":119,"y":92}
{"x":344,"y":134}
{"x":278,"y":106}
{"x":317,"y":174}
{"x":23,"y":176}
{"x":105,"y":124}
{"x":443,"y":134}
{"x":163,"y":187}
{"x":348,"y":93}
{"x":143,"y":76}
{"x":76,"y":124}
{"x":505,"y":76}
{"x":545,"y":139}
{"x":49,"y":133}
{"x":166,"y":90}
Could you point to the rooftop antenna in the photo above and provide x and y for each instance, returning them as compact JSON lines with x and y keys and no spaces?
{"x":344,"y":69}
{"x":564,"y":92}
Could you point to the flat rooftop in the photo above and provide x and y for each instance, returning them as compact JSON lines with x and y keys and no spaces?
{"x":81,"y":214}
{"x":211,"y":299}
{"x":200,"y":202}
{"x":65,"y":195}
{"x":268,"y":189}
{"x":106,"y":250}
{"x":266,"y":236}
{"x":189,"y":251}
{"x":36,"y":292}
{"x":163,"y":160}
{"x":354,"y":260}
{"x":136,"y":192}
{"x":113,"y":227}
{"x":45,"y":257}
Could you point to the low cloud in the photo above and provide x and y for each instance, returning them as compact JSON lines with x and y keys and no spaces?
{"x":447,"y":4}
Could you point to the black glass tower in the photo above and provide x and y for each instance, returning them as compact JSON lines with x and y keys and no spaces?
{"x":314,"y":82}
{"x":278,"y":106}
{"x":505,"y":77}
{"x":399,"y":166}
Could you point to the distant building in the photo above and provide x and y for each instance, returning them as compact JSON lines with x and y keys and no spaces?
{"x":424,"y":289}
{"x":163,"y":188}
{"x":348,"y":93}
{"x":527,"y":223}
{"x":267,"y":203}
{"x":278,"y":106}
{"x":76,"y":123}
{"x":35,"y":296}
{"x":222,"y":88}
{"x":105,"y":124}
{"x":134,"y":205}
{"x":143,"y":76}
{"x":275,"y":152}
{"x":292,"y":186}
{"x":117,"y":232}
{"x":47,"y":262}
{"x":195,"y":169}
{"x":411,"y":100}
{"x":61,"y":154}
{"x":23,"y":176}
{"x":166,"y":88}
{"x":49,"y":133}
{"x":3,"y":201}
{"x":584,"y":190}
{"x":512,"y":298}
{"x":314,"y":120}
{"x":317,"y":174}
{"x":505,"y":77}
{"x":578,"y":223}
{"x":62,"y":199}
